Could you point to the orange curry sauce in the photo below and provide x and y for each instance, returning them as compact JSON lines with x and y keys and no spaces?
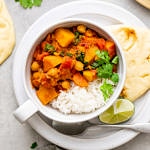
{"x":64,"y":56}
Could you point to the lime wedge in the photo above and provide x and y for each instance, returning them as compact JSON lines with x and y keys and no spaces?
{"x":122,"y":110}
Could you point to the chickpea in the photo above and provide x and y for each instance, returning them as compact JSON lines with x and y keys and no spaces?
{"x":35,"y":66}
{"x":79,"y":65}
{"x":36,"y":75}
{"x":53,"y":72}
{"x":66,"y":85}
{"x":36,"y":83}
{"x":81,"y":28}
{"x":89,"y":33}
{"x":36,"y":78}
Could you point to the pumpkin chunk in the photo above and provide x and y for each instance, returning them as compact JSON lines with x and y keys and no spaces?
{"x":46,"y":95}
{"x":110,"y":47}
{"x":90,"y":54}
{"x":51,"y":62}
{"x":79,"y":66}
{"x":64,"y":36}
{"x":80,"y":80}
{"x":89,"y":75}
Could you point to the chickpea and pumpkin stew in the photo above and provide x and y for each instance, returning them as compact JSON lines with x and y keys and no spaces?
{"x":76,"y":54}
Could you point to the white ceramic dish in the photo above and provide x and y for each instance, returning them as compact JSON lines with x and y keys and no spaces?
{"x":106,"y":14}
{"x":33,"y":104}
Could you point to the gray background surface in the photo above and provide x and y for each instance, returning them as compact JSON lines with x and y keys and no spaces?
{"x":13,"y":135}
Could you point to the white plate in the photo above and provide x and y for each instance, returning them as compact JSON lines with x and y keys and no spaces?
{"x":106,"y":14}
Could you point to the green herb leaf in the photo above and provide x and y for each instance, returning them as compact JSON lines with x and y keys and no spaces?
{"x":76,"y":34}
{"x":34,"y":145}
{"x":97,"y":63}
{"x":37,"y":2}
{"x":80,"y":56}
{"x":103,"y":58}
{"x":105,"y":71}
{"x":115,"y":77}
{"x":69,"y":54}
{"x":107,"y":90}
{"x":50,"y":48}
{"x":26,"y":3}
{"x":115,"y":60}
{"x":104,"y":67}
{"x":103,"y":55}
{"x":77,"y":38}
{"x":29,"y":3}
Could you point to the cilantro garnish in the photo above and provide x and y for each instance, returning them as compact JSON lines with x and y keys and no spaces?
{"x":105,"y":71}
{"x":37,"y":2}
{"x":115,"y":60}
{"x":50,"y":48}
{"x":69,"y":54}
{"x":76,"y":34}
{"x":97,"y":63}
{"x":34,"y":145}
{"x":29,"y":3}
{"x":80,"y":56}
{"x":107,"y":90}
{"x":104,"y":66}
{"x":77,"y":38}
{"x":115,"y":77}
{"x":103,"y":56}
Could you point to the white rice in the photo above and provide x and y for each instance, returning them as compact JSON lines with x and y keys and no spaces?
{"x":80,"y":99}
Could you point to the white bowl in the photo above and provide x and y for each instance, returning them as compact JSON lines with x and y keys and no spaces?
{"x":33,"y":105}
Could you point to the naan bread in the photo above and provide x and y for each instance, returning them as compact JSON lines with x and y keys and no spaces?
{"x":136,"y":46}
{"x":145,"y":3}
{"x":7,"y":35}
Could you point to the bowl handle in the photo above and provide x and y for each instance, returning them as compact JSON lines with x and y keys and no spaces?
{"x":25,"y":111}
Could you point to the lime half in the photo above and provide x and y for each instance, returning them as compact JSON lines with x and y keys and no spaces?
{"x":122,"y":110}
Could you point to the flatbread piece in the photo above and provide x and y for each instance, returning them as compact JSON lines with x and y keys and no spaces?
{"x":7,"y":34}
{"x":135,"y":43}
